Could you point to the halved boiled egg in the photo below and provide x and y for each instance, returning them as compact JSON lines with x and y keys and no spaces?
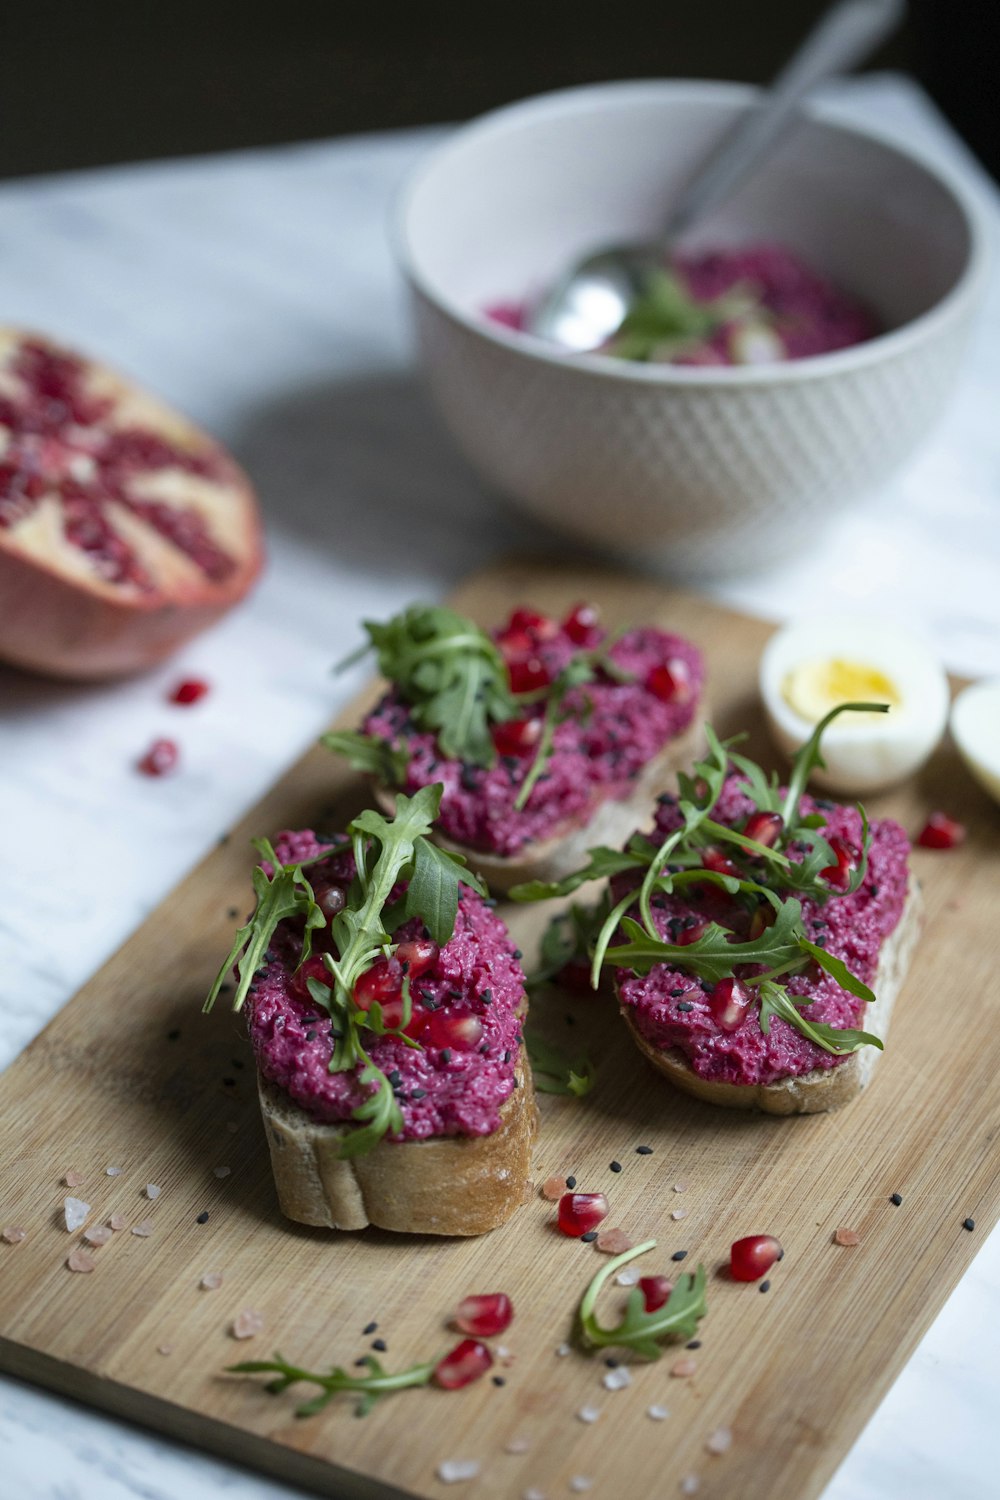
{"x":811,"y":665}
{"x":975,"y":728}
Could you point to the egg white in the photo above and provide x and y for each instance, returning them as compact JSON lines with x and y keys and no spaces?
{"x":975,"y":728}
{"x":863,"y":753}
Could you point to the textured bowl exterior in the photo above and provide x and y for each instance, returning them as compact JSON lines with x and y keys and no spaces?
{"x":690,"y":480}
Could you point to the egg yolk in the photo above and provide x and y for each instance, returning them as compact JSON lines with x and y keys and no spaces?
{"x":814,"y":687}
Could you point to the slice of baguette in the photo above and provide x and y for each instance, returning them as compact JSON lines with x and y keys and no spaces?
{"x":612,"y":822}
{"x":454,"y":1185}
{"x":823,"y":1088}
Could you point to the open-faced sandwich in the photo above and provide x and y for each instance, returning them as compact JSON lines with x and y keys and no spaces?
{"x":758,"y":937}
{"x":385,"y":1002}
{"x":548,"y":736}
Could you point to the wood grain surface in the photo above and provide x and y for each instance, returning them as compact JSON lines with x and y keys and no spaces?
{"x":130,"y":1074}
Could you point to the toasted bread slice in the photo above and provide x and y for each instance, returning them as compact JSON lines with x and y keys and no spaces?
{"x":612,"y":821}
{"x":823,"y":1088}
{"x":454,"y":1185}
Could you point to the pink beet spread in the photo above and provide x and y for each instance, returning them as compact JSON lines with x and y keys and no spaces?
{"x":851,"y":927}
{"x":613,"y":730}
{"x":439,"y":1092}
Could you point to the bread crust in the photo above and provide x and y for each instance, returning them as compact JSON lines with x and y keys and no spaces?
{"x":447,"y":1185}
{"x":824,"y":1088}
{"x":612,"y":822}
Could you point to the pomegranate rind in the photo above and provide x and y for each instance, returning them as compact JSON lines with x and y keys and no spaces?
{"x":59,"y":615}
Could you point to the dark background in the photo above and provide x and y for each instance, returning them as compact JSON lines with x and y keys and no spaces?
{"x":83,"y":84}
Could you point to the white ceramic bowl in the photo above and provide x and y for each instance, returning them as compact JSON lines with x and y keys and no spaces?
{"x":688,"y":469}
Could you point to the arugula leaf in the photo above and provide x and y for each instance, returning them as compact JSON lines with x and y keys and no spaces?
{"x":371,"y":1387}
{"x":713,"y":956}
{"x":840,"y":1041}
{"x":368,"y":753}
{"x":837,"y":970}
{"x":433,"y":890}
{"x":602,"y":864}
{"x":809,"y":757}
{"x":554,"y":1073}
{"x":641,"y":1330}
{"x":666,"y":320}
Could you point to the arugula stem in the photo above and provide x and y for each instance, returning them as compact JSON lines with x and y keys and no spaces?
{"x":614,"y":1265}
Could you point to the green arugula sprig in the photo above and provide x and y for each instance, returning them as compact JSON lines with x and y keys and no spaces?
{"x":568,"y":938}
{"x":371,"y":1387}
{"x":554,"y":1072}
{"x":386,"y":852}
{"x":641,"y":1330}
{"x":666,"y":320}
{"x":784,"y":947}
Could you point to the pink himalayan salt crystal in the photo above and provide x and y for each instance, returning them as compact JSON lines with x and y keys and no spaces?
{"x":679,"y":1213}
{"x":517,"y":1444}
{"x":681,"y":1187}
{"x":117,"y":1221}
{"x":74,"y":1179}
{"x":454,"y":1470}
{"x":849,"y":1237}
{"x":553,"y":1188}
{"x":76,"y":1212}
{"x":152,"y":1191}
{"x":13,"y":1234}
{"x":211,"y":1281}
{"x":221,"y":1172}
{"x":164,"y":1348}
{"x":719,"y":1441}
{"x":79,"y":1260}
{"x":98,"y":1235}
{"x":247,"y":1323}
{"x":690,"y":1484}
{"x":143,"y":1230}
{"x":682,"y":1368}
{"x":613,"y":1241}
{"x":113,"y":1171}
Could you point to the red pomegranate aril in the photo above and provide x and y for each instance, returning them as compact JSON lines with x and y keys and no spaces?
{"x":762,"y":919}
{"x":313,"y":968}
{"x":189,"y":691}
{"x":764,"y":828}
{"x":729,"y":1003}
{"x":513,"y":644}
{"x":466,"y":1362}
{"x":417,"y":956}
{"x":670,"y":681}
{"x":718,"y":863}
{"x":160,"y":759}
{"x":655,"y":1292}
{"x":379,"y":984}
{"x":579,"y":1213}
{"x":690,"y":934}
{"x":485,"y":1315}
{"x":839,"y":875}
{"x":517,"y":736}
{"x":581,"y":625}
{"x":941,"y":832}
{"x":752,"y":1257}
{"x":459,"y":1033}
{"x":528,"y":674}
{"x":542,"y":627}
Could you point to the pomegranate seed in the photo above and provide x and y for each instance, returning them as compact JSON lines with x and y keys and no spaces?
{"x":690,"y":934}
{"x":764,"y":827}
{"x":417,"y":956}
{"x":446,"y":1029}
{"x":466,"y":1362}
{"x":753,"y":1257}
{"x":313,"y":968}
{"x":670,"y":681}
{"x":540,"y":626}
{"x":581,"y":625}
{"x":839,"y":875}
{"x":714,"y":859}
{"x":189,"y":691}
{"x":517,"y":736}
{"x":941,"y":832}
{"x":485,"y":1315}
{"x":379,"y":984}
{"x":528,"y":674}
{"x":655,"y":1291}
{"x":581,"y":1212}
{"x":160,"y":759}
{"x":762,"y":919}
{"x":331,"y":899}
{"x":729,"y":1004}
{"x":514,"y":644}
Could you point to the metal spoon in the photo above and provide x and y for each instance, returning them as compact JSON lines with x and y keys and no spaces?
{"x":589,"y":303}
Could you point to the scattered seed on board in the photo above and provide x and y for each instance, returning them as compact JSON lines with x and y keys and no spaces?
{"x":616,"y":1379}
{"x":74,"y":1179}
{"x":76,"y":1213}
{"x":152,"y":1191}
{"x":682,"y":1368}
{"x":848,"y":1237}
{"x":719,"y":1441}
{"x":79,"y":1260}
{"x":519,"y":1444}
{"x":553,"y":1188}
{"x":453,"y":1470}
{"x":588,"y":1414}
{"x":117,"y":1221}
{"x":896,"y":1198}
{"x":13,"y":1234}
{"x":211,"y":1281}
{"x":143,"y":1230}
{"x":969,"y":1224}
{"x":247,"y":1323}
{"x":99,"y":1234}
{"x":613,"y":1241}
{"x":657,"y":1413}
{"x":221,"y":1172}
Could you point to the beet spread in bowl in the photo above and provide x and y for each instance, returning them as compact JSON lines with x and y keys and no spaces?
{"x":470,"y":1001}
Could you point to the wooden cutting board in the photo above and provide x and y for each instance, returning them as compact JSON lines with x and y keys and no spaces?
{"x":130,"y":1074}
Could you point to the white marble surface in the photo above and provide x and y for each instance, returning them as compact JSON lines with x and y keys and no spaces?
{"x":257,"y":291}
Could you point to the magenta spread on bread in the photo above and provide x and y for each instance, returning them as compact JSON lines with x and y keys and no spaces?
{"x":441,"y":1090}
{"x":610,"y":731}
{"x":669,"y":1007}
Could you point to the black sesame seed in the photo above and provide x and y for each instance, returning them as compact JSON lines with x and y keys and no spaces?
{"x":446,"y":1054}
{"x":643,"y":1150}
{"x":394,"y":1078}
{"x":896,"y":1198}
{"x":506,"y":1057}
{"x":173,"y":1035}
{"x":418,"y":1093}
{"x":310,"y":1036}
{"x":611,"y":1362}
{"x":679,"y":1255}
{"x":369,"y":1329}
{"x":571,"y":1182}
{"x":233,"y":913}
{"x":380,"y":1345}
{"x":615,"y":1166}
{"x":781,"y":1254}
{"x":202,"y":1218}
{"x":499,"y":1380}
{"x":518,"y":954}
{"x":693,"y":1344}
{"x":765,"y":1286}
{"x":684,"y":1005}
{"x":237,"y":1063}
{"x":229,"y":1082}
{"x":224,"y":989}
{"x":570,"y":1020}
{"x":362,"y":1361}
{"x":969,"y":1224}
{"x":223,"y":840}
{"x":490,"y":901}
{"x":589,"y":1237}
{"x":469,"y":777}
{"x":487,"y":997}
{"x":675,"y":993}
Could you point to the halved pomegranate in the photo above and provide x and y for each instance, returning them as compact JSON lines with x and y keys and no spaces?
{"x":124,"y":529}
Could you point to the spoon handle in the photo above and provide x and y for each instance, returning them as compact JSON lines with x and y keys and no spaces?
{"x":846,"y":34}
